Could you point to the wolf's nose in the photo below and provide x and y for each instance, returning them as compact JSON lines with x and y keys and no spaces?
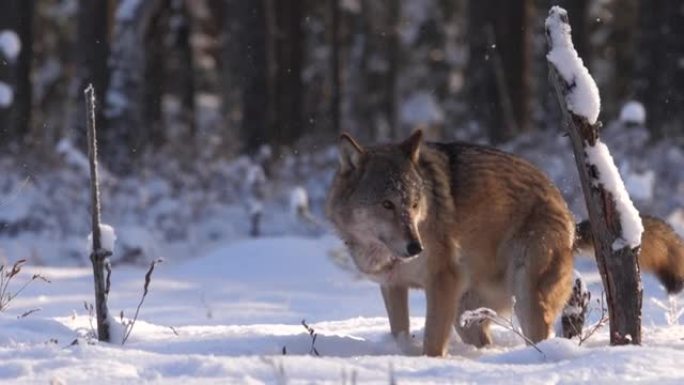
{"x":414,"y":248}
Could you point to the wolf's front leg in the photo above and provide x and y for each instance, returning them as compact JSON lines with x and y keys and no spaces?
{"x":442,"y":292}
{"x":396,"y":303}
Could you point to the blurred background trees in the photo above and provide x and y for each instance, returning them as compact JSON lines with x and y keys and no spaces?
{"x":225,"y":77}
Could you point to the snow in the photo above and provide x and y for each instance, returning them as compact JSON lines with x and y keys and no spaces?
{"x":127,"y":9}
{"x":73,"y":156}
{"x":255,"y":175}
{"x":6,"y":95}
{"x":633,"y":112}
{"x":640,"y":185}
{"x":107,"y":238}
{"x":608,"y":176}
{"x":583,"y":95}
{"x":10,"y":45}
{"x":676,"y":220}
{"x":421,"y":108}
{"x":299,"y":200}
{"x":227,"y":315}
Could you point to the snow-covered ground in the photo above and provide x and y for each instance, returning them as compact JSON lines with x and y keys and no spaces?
{"x":233,"y":316}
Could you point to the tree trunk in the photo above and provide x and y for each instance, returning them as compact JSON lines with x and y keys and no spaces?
{"x":152,"y":132}
{"x":255,"y":75}
{"x":16,"y":18}
{"x":133,"y":99}
{"x":231,"y":18}
{"x":335,"y":100}
{"x":179,"y":78}
{"x":660,"y":79}
{"x":618,"y":267}
{"x":287,"y":47}
{"x":513,"y":44}
{"x":92,"y":54}
{"x":377,"y":94}
{"x":612,"y":51}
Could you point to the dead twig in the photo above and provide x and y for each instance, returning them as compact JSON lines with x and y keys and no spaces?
{"x":6,"y":277}
{"x":480,"y":315}
{"x":28,"y":313}
{"x":128,"y":324}
{"x":589,"y":331}
{"x":312,"y":333}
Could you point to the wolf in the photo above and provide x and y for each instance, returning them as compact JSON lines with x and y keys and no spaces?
{"x":662,"y":251}
{"x":471,"y":225}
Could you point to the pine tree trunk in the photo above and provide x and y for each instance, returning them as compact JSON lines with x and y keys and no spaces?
{"x":254,"y":74}
{"x":132,"y":103}
{"x":16,"y":16}
{"x":511,"y":46}
{"x":92,"y":54}
{"x":335,"y":75}
{"x":660,"y":79}
{"x":376,"y":97}
{"x":179,"y":79}
{"x":287,"y":42}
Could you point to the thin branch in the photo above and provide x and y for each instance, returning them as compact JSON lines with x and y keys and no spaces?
{"x":312,"y":333}
{"x":599,"y":324}
{"x":28,"y":313}
{"x":148,"y":278}
{"x":478,"y":316}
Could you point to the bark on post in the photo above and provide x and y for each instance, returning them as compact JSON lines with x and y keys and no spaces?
{"x":98,"y":255}
{"x":617,"y":261}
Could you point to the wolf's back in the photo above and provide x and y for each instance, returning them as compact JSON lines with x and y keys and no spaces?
{"x":662,"y":251}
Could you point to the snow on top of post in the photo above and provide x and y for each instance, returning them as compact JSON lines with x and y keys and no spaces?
{"x":6,"y":95}
{"x":633,"y":112}
{"x":583,"y":96}
{"x":299,"y":199}
{"x":608,"y":175}
{"x":10,"y":44}
{"x":107,"y":238}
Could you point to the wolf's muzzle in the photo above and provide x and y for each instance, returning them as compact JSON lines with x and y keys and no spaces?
{"x":414,"y":248}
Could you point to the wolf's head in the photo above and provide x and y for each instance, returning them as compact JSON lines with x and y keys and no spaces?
{"x":376,"y":201}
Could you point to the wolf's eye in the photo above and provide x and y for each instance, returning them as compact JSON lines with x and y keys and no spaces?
{"x":414,"y":205}
{"x":387,"y":204}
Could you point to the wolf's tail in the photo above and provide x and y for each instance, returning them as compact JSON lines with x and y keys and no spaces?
{"x":662,"y":251}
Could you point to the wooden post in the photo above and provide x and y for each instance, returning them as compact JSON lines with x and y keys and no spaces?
{"x":98,"y":256}
{"x":618,"y":266}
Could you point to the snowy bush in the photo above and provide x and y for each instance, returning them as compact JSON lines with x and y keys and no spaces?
{"x":9,"y":274}
{"x":6,"y":95}
{"x":633,"y":112}
{"x":10,"y":45}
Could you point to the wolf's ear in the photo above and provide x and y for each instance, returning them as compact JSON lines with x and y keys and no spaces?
{"x":350,"y":153}
{"x":411,"y":146}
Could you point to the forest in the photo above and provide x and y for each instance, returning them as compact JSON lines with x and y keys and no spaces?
{"x":219,"y":126}
{"x":228,"y":76}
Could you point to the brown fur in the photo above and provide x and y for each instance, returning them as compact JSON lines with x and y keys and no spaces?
{"x":492,"y":226}
{"x":662,"y":251}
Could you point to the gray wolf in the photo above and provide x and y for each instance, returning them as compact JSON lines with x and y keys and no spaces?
{"x":662,"y":251}
{"x":471,"y":225}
